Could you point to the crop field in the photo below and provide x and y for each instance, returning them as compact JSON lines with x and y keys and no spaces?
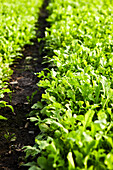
{"x":74,"y":117}
{"x":17,"y":20}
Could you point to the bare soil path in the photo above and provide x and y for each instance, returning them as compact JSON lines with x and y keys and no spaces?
{"x":23,"y":84}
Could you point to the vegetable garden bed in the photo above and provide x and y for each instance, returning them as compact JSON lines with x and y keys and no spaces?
{"x":75,"y":115}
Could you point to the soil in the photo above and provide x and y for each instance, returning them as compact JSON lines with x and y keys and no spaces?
{"x":17,"y":131}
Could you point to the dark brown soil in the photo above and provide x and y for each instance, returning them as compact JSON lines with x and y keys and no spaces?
{"x":17,"y":129}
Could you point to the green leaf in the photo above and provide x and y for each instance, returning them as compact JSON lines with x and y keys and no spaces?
{"x":87,"y":137}
{"x":3,"y":104}
{"x":34,"y":168}
{"x":42,"y":144}
{"x":53,"y":73}
{"x":37,"y":105}
{"x":100,"y":124}
{"x":43,"y":127}
{"x":70,"y":161}
{"x":42,"y":162}
{"x":33,"y":151}
{"x":109,"y":140}
{"x":33,"y":119}
{"x":30,"y":164}
{"x":79,"y":158}
{"x":109,"y":161}
{"x":88,"y":118}
{"x":56,"y":125}
{"x":101,"y":115}
{"x":2,"y":117}
{"x":11,"y":107}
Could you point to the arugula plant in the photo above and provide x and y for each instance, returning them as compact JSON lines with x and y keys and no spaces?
{"x":75,"y":113}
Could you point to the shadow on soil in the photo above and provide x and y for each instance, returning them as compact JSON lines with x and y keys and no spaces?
{"x":17,"y":130}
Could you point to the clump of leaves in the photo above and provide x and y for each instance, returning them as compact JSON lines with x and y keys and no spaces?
{"x":10,"y":137}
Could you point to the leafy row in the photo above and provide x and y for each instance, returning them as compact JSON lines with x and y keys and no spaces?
{"x":75,"y":114}
{"x":17,"y":20}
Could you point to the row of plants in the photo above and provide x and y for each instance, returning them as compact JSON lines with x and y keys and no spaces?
{"x":17,"y":22}
{"x":75,"y":115}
